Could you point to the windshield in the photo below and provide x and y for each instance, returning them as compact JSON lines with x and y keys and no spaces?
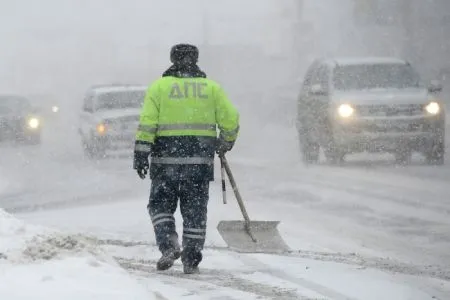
{"x":361,"y":77}
{"x":120,"y":100}
{"x":11,"y":104}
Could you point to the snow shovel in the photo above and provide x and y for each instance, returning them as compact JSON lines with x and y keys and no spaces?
{"x":249,"y":236}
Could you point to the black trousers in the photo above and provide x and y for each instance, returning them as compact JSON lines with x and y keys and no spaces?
{"x":193,"y":197}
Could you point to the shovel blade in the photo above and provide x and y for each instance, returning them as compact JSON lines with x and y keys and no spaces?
{"x":268,"y":239}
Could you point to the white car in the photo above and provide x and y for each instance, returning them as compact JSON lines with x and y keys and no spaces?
{"x":375,"y":104}
{"x":109,"y":118}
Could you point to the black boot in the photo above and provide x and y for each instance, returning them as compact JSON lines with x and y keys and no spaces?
{"x":191,"y":269}
{"x":191,"y":259}
{"x":168,"y":259}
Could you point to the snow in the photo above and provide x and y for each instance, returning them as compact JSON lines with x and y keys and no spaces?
{"x":52,"y":265}
{"x":69,"y":278}
{"x":366,"y":231}
{"x":126,"y":233}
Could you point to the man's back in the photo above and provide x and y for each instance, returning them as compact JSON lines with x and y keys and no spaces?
{"x":179,"y":120}
{"x":188,"y":101}
{"x":188,"y":111}
{"x":178,"y":128}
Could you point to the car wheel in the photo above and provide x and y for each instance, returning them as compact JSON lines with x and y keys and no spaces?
{"x":33,"y":139}
{"x":403,"y":156}
{"x":91,"y":151}
{"x":335,"y":156}
{"x":436,"y":155}
{"x":310,"y":150}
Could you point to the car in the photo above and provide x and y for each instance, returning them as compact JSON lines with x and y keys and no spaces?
{"x":110,"y":117}
{"x":19,"y":120}
{"x":444,"y":80}
{"x":369,"y":104}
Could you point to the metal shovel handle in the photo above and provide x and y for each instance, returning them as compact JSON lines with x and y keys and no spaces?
{"x":225,"y":164}
{"x":224,"y":190}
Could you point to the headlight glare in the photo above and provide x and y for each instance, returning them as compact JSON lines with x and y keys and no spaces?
{"x":33,"y":123}
{"x":101,"y":128}
{"x":433,"y":108}
{"x":345,"y":110}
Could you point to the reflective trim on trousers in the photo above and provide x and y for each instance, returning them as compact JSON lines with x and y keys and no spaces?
{"x":194,"y":233}
{"x":194,"y":236}
{"x":142,"y":147}
{"x":147,"y":128}
{"x":167,"y":127}
{"x":183,"y":160}
{"x":160,"y":215}
{"x":161,"y":218}
{"x":195,"y":230}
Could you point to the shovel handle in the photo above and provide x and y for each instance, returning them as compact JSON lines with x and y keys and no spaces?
{"x":224,"y":162}
{"x":224,"y":191}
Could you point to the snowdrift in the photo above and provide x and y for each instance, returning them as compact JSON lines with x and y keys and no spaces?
{"x":40,"y":263}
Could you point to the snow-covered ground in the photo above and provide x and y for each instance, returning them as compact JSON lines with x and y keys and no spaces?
{"x":368,"y":230}
{"x":73,"y":265}
{"x":39,"y":263}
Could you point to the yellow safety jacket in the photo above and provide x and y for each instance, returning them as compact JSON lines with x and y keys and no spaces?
{"x":179,"y":122}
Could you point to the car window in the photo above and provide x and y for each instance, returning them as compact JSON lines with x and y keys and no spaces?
{"x":11,"y":104}
{"x":88,"y":105}
{"x":119,"y":100}
{"x":321,"y":77}
{"x":375,"y":76}
{"x":307,"y":80}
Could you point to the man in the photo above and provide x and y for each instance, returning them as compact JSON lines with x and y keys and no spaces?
{"x":178,"y":129}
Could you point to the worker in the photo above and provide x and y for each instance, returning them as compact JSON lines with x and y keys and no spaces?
{"x":178,"y":125}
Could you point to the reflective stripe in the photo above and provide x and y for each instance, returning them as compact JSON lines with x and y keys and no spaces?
{"x":147,"y":128}
{"x":230,"y":133}
{"x":193,"y":236}
{"x":142,"y":147}
{"x":194,"y":230}
{"x":183,"y":160}
{"x":157,"y":216}
{"x":163,"y":220}
{"x":194,"y":233}
{"x":167,"y":127}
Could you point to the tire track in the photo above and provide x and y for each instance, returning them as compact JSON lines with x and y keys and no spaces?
{"x":383,"y":264}
{"x":217,"y":278}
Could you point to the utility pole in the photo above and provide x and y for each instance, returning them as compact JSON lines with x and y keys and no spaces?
{"x":299,"y":42}
{"x":407,"y":24}
{"x":205,"y":51}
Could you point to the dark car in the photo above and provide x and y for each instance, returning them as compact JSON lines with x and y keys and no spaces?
{"x":19,"y":120}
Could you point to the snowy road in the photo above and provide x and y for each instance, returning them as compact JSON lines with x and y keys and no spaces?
{"x":395,"y":219}
{"x":56,"y":173}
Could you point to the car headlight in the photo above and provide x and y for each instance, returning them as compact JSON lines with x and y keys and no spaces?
{"x":33,"y":123}
{"x":345,"y":110}
{"x":433,"y":108}
{"x":101,"y":128}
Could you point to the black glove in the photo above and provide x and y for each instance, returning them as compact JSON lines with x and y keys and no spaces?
{"x":140,"y":161}
{"x":223,"y":146}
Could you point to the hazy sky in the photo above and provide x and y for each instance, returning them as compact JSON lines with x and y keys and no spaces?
{"x":258,"y":49}
{"x":48,"y":36}
{"x":63,"y":46}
